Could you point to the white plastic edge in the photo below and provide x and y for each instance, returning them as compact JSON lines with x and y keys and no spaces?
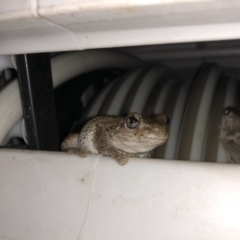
{"x":47,"y":195}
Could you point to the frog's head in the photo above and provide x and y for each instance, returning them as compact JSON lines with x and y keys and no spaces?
{"x":138,"y":134}
{"x":232,"y":118}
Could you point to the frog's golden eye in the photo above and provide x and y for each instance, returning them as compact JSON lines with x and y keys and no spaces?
{"x":132,"y":120}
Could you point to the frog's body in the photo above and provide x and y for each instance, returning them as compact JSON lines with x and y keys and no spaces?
{"x":230,"y":134}
{"x":119,"y":137}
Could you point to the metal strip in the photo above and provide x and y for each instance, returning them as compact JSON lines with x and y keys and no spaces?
{"x":35,"y":80}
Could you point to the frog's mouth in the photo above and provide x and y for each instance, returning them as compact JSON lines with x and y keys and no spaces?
{"x":139,"y":146}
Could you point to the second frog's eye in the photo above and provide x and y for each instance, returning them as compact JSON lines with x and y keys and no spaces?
{"x":226,"y":111}
{"x":132,"y":120}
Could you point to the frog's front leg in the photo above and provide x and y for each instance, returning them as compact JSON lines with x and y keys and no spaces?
{"x":71,"y":145}
{"x":229,"y":135}
{"x":121,"y":157}
{"x":232,"y":150}
{"x":110,"y":151}
{"x":71,"y":141}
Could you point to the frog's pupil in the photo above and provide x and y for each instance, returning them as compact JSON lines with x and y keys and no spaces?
{"x":133,"y":119}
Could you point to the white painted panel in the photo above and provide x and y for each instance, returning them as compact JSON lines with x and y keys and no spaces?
{"x":47,"y":195}
{"x":76,"y":25}
{"x":13,"y":5}
{"x":43,"y":196}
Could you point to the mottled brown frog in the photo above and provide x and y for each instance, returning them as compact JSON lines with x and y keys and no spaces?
{"x":119,"y":137}
{"x":230,"y":134}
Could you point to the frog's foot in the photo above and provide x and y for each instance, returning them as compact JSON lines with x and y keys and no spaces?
{"x":120,"y":157}
{"x":81,"y":153}
{"x":121,"y":160}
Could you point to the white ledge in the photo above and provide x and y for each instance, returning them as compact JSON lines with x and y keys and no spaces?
{"x":50,"y":195}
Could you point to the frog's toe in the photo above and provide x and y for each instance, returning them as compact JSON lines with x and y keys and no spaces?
{"x":80,"y":153}
{"x":83,"y":153}
{"x":122,"y":161}
{"x":70,"y":150}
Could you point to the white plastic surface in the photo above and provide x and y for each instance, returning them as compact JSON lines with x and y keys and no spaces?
{"x":6,"y":62}
{"x":10,"y":108}
{"x":19,"y":130}
{"x":58,"y":196}
{"x":69,"y":65}
{"x":176,"y":121}
{"x":197,"y":113}
{"x":52,"y":25}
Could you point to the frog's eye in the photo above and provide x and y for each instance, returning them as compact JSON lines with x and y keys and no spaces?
{"x":132,"y":120}
{"x":226,"y":111}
